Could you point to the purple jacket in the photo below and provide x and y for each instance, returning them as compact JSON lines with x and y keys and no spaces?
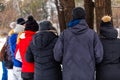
{"x":78,"y":49}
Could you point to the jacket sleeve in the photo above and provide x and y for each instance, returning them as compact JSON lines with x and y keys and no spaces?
{"x":98,"y":49}
{"x":29,"y":55}
{"x":58,"y":49}
{"x":3,"y":53}
{"x":12,"y":44}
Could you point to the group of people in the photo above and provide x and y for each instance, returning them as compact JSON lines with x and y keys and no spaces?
{"x":35,"y":51}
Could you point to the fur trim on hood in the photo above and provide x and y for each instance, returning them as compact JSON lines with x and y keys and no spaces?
{"x":11,"y":32}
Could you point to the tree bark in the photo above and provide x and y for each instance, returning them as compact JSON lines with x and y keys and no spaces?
{"x":89,"y":8}
{"x":68,"y":5}
{"x":64,"y":8}
{"x":102,"y":7}
{"x":61,"y":18}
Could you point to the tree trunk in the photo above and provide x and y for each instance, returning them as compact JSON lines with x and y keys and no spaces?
{"x":68,"y":5}
{"x":89,"y":8}
{"x":102,"y":7}
{"x":61,"y":18}
{"x":64,"y":12}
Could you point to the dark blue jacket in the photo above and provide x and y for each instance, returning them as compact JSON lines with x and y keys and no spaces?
{"x":40,"y":52}
{"x":109,"y":68}
{"x":78,"y":49}
{"x":12,"y":42}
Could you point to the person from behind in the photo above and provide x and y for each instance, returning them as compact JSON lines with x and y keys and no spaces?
{"x":3,"y":69}
{"x":12,"y":42}
{"x":40,"y":52}
{"x":31,"y":27}
{"x":6,"y":49}
{"x":7,"y":56}
{"x":78,"y":48}
{"x":109,"y":68}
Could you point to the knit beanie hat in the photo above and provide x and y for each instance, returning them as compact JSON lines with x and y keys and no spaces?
{"x":46,"y":25}
{"x":105,"y":21}
{"x":12,"y":25}
{"x":31,"y":24}
{"x":78,"y":13}
{"x":20,"y":21}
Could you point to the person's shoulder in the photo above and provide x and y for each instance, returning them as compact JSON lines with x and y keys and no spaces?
{"x":65,"y":31}
{"x":92,"y":30}
{"x":118,"y":40}
{"x":14,"y":35}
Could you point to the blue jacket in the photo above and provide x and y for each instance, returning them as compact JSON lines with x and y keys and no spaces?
{"x":78,"y":49}
{"x":5,"y":72}
{"x":12,"y":42}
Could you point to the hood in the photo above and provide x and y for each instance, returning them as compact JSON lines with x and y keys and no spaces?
{"x":108,"y":32}
{"x":43,"y":39}
{"x":19,"y":28}
{"x":80,"y":28}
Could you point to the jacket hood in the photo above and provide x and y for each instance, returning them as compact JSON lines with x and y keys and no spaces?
{"x":43,"y":39}
{"x":19,"y":28}
{"x":108,"y":32}
{"x":80,"y":28}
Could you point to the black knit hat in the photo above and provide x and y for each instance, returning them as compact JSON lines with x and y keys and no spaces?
{"x":78,"y":13}
{"x":31,"y":24}
{"x":20,"y":21}
{"x":46,"y":25}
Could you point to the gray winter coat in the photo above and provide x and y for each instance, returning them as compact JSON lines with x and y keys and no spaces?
{"x":78,"y":49}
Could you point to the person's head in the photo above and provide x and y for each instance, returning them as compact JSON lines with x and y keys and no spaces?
{"x":46,"y":25}
{"x":31,"y":24}
{"x":106,"y":28}
{"x":78,"y":13}
{"x":12,"y":25}
{"x":106,"y":21}
{"x":20,"y":21}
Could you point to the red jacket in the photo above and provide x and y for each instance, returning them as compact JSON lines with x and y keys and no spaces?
{"x":25,"y":40}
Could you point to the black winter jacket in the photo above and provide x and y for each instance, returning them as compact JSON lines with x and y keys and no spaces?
{"x":40,"y":51}
{"x":109,"y":68}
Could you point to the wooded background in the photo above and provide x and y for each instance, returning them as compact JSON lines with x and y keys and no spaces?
{"x":58,"y":11}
